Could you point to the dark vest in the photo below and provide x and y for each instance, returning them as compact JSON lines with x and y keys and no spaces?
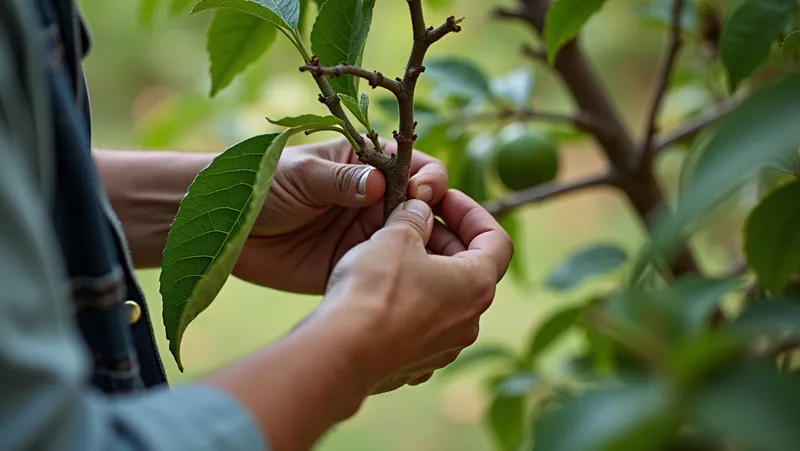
{"x":108,"y":304}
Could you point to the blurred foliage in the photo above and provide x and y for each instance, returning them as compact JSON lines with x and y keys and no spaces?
{"x":626,"y":357}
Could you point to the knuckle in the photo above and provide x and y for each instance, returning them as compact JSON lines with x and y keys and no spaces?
{"x":406,"y":235}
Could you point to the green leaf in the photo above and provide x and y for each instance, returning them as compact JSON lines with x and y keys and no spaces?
{"x":790,"y":45}
{"x":480,"y":354}
{"x":591,"y":261}
{"x":635,"y":416}
{"x":551,"y":330}
{"x":506,"y":416}
{"x":235,"y":40}
{"x":763,"y":129}
{"x":458,"y":77}
{"x":355,"y":107}
{"x":307,"y":119}
{"x":789,"y":164}
{"x":771,"y":317}
{"x":753,"y":406}
{"x":516,"y":87}
{"x":301,"y":21}
{"x":213,"y":222}
{"x":564,"y":21}
{"x":772,"y":237}
{"x":691,"y":300}
{"x":339,"y":35}
{"x":283,"y":13}
{"x":363,"y":105}
{"x":748,"y":34}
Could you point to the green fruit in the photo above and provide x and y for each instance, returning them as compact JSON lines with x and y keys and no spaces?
{"x":526,"y":158}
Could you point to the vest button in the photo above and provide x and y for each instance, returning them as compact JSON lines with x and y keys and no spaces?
{"x":134,"y":312}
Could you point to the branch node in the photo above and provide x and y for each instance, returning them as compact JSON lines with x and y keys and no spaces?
{"x":415,"y":72}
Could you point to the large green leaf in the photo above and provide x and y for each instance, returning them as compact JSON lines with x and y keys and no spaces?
{"x":458,"y":77}
{"x":588,"y":262}
{"x":763,"y":129}
{"x":506,"y":416}
{"x":791,"y":45}
{"x":283,"y":13}
{"x":235,"y":40}
{"x":553,"y":328}
{"x":748,"y":35}
{"x":212,"y":224}
{"x":636,"y":415}
{"x":772,"y":237}
{"x":752,"y":406}
{"x":339,"y":35}
{"x":564,"y":21}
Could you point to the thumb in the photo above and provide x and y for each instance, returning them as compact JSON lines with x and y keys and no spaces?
{"x":412,"y":219}
{"x":348,"y":185}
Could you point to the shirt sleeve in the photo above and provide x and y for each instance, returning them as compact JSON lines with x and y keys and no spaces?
{"x":46,"y":402}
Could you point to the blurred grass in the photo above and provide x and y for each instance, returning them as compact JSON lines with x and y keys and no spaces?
{"x":149,"y":90}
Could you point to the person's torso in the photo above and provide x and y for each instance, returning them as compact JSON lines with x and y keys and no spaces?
{"x":108,"y":304}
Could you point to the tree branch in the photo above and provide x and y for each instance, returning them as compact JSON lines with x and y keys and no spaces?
{"x":375,"y":79}
{"x":546,"y":192}
{"x":639,"y":184}
{"x":690,"y":129}
{"x":647,"y":150}
{"x":424,"y":37}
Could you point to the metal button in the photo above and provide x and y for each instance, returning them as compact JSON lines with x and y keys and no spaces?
{"x":134,"y":312}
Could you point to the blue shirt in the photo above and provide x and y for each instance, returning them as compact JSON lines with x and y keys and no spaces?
{"x":73,"y":370}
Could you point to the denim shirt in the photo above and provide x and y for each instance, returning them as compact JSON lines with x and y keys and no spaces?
{"x":76,"y":342}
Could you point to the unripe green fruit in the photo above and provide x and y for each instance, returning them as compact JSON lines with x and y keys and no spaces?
{"x":526,"y":158}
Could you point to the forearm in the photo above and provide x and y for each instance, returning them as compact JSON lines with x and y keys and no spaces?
{"x":145,"y":190}
{"x":300,"y":387}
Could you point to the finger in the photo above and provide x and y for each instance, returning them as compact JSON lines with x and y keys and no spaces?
{"x":428,"y":182}
{"x":412,"y":220}
{"x":325,"y":182}
{"x":444,"y":241}
{"x":422,"y":379}
{"x":484,"y":236}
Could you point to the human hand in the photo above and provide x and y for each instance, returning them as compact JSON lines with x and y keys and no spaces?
{"x":417,"y":310}
{"x":315,"y":213}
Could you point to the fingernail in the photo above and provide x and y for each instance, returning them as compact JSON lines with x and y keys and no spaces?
{"x":418,"y":207}
{"x":425,"y":193}
{"x":362,"y":182}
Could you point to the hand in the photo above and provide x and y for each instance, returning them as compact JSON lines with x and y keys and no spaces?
{"x":322,"y":203}
{"x":416,"y":310}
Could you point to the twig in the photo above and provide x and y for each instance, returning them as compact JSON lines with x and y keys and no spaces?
{"x":366,"y":154}
{"x":692,"y":128}
{"x":674,"y":42}
{"x":375,"y":79}
{"x":545,"y":192}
